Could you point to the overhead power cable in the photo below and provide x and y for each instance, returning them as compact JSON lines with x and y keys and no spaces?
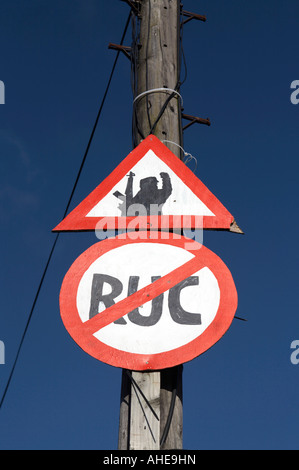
{"x":65,"y":213}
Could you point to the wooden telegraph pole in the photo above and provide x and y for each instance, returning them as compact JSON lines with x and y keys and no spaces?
{"x":151,"y":411}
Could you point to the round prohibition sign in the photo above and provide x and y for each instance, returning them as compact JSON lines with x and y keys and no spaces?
{"x":147,"y":303}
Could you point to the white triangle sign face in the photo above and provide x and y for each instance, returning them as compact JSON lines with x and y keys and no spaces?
{"x":150,"y":189}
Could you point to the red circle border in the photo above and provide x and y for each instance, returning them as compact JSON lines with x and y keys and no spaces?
{"x":133,"y":361}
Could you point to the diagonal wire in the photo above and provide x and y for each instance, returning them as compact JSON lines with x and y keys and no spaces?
{"x":141,"y":393}
{"x":171,"y":410}
{"x":64,"y":215}
{"x":28,"y":321}
{"x":143,"y":411}
{"x":98,"y":116}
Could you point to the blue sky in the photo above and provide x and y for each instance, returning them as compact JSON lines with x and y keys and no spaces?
{"x":55,"y":64}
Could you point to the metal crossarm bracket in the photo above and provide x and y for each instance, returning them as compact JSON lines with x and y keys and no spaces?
{"x":194,"y":119}
{"x":135,"y":5}
{"x":192,"y":16}
{"x":125,"y":49}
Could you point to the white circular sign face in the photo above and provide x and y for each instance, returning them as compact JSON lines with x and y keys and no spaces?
{"x":147,"y":303}
{"x":145,"y":261}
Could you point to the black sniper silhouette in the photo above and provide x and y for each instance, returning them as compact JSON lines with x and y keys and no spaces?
{"x":149,"y":195}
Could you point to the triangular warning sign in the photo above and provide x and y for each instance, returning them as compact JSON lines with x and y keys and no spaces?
{"x":153,"y":186}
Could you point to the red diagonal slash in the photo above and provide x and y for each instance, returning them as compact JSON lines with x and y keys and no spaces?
{"x":142,"y":296}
